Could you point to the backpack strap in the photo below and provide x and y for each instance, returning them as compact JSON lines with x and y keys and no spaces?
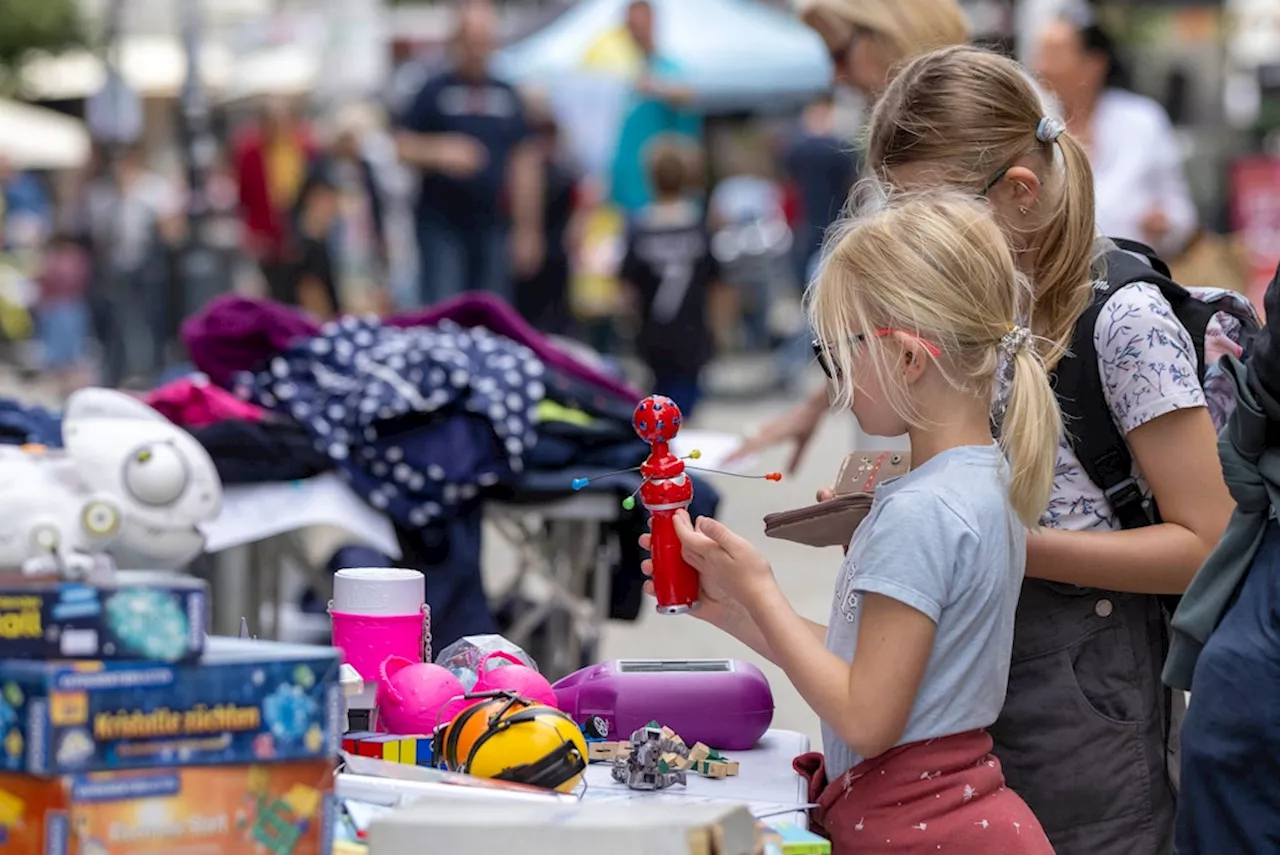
{"x":1091,"y":430}
{"x":1141,"y":249}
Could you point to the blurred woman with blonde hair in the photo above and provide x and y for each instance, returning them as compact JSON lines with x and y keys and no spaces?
{"x":868,"y":40}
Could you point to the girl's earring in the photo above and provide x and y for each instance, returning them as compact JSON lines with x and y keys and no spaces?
{"x":1022,"y":210}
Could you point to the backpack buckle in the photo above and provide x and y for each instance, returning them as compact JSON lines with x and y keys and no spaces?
{"x":1126,"y":501}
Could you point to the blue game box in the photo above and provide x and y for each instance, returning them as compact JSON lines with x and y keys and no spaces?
{"x":152,"y":616}
{"x":245,"y":701}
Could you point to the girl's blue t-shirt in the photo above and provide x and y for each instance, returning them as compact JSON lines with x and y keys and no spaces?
{"x":944,"y":540}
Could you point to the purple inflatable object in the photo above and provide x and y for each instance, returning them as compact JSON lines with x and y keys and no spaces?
{"x":724,"y":703}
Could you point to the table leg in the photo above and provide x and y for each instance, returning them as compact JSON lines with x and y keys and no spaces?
{"x":231,"y":594}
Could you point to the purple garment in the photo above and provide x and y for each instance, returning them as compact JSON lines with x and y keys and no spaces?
{"x":233,"y":334}
{"x":480,"y":309}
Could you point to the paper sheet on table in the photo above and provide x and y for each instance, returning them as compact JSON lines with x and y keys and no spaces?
{"x":254,"y":512}
{"x":714,"y":448}
{"x":679,"y":795}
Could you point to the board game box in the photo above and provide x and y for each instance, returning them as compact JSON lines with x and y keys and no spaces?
{"x":278,"y":809}
{"x":245,"y":701}
{"x":152,"y":616}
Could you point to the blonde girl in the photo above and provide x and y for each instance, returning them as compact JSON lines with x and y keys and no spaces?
{"x":921,"y":316}
{"x":1087,"y":729}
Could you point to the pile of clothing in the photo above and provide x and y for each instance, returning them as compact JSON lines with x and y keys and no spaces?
{"x":425,"y":416}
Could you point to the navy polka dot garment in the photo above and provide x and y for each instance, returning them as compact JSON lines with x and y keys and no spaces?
{"x":418,"y":420}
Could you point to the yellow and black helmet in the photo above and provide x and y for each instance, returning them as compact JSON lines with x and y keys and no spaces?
{"x":508,"y":738}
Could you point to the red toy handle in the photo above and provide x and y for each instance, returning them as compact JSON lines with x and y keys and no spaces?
{"x":675,"y":583}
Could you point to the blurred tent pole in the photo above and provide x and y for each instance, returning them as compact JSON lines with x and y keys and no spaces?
{"x":202,"y":273}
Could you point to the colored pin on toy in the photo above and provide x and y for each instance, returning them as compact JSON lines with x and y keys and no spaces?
{"x":665,"y":489}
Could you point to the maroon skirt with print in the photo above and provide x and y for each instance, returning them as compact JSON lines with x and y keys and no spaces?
{"x":941,"y":795}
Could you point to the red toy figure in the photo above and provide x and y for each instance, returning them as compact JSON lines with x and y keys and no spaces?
{"x":666,"y":488}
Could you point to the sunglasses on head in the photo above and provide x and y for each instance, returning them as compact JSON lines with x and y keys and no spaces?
{"x":820,"y":349}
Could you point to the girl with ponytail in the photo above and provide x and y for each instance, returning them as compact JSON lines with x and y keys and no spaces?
{"x":922,"y":319}
{"x":1088,"y":734}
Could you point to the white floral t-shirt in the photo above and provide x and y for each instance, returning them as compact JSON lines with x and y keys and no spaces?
{"x":1148,"y":367}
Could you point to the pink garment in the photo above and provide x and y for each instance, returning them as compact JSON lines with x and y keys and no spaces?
{"x":195,"y":402}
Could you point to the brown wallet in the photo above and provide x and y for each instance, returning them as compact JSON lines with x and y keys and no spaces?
{"x":832,"y":523}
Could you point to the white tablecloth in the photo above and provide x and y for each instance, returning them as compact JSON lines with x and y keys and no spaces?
{"x":765,"y":782}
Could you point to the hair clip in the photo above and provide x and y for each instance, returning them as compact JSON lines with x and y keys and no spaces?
{"x":1016,"y":339}
{"x":1049,"y":130}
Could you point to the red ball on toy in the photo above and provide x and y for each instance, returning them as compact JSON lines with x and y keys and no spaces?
{"x":657,"y":419}
{"x":514,"y":677}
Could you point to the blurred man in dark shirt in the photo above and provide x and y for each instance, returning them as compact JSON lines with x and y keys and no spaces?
{"x":466,"y":131}
{"x":823,"y":167}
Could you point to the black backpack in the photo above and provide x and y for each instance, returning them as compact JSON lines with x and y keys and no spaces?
{"x":1091,"y":430}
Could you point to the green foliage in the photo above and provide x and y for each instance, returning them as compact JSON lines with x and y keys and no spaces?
{"x":29,"y":26}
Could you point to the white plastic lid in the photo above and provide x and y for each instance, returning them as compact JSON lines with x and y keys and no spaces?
{"x":379,"y":591}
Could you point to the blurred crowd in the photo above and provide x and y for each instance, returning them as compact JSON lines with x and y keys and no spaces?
{"x":469,"y":185}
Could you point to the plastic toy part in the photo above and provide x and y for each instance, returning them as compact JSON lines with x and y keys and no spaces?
{"x":514,"y":677}
{"x":664,"y":490}
{"x":413,"y":696}
{"x":508,"y":738}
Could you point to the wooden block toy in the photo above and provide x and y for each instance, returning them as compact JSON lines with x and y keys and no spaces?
{"x":670,"y":762}
{"x":699,"y":752}
{"x":668,"y":733}
{"x":712,"y":769}
{"x":607,"y":751}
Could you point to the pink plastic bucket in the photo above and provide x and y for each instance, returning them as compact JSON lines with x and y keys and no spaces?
{"x":367,"y":640}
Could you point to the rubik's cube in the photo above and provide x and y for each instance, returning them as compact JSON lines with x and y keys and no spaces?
{"x":409,"y":750}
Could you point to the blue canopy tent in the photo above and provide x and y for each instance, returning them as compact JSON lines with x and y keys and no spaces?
{"x":735,"y":55}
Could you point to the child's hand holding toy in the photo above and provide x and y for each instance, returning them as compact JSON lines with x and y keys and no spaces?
{"x":731,"y":571}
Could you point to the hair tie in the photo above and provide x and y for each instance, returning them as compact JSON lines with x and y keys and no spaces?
{"x":1049,"y":130}
{"x":1016,"y":339}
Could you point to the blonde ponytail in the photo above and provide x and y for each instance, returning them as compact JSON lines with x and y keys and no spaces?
{"x":966,"y":115}
{"x":1064,"y":253}
{"x":1031,"y":431}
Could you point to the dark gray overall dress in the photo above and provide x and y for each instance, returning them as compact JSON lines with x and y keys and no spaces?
{"x":1084,"y":735}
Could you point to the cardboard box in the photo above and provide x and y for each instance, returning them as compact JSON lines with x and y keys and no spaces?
{"x":149,"y":616}
{"x":633,"y":828}
{"x":245,"y":702}
{"x":282,"y":809}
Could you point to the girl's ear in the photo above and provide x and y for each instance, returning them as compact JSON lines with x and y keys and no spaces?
{"x":915,"y":355}
{"x":1022,"y":187}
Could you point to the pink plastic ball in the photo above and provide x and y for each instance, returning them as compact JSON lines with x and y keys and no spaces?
{"x":415,"y":697}
{"x":514,"y":677}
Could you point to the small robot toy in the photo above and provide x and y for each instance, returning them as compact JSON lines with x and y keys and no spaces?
{"x":656,"y":761}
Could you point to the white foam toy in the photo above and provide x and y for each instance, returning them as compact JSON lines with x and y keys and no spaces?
{"x":126,"y":476}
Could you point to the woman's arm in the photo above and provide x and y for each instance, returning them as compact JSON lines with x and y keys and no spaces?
{"x":1177,"y":453}
{"x":797,"y":425}
{"x":866,"y":702}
